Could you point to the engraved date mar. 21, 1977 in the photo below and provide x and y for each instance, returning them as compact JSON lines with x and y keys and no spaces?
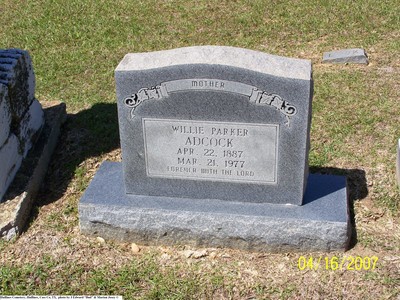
{"x":216,"y":151}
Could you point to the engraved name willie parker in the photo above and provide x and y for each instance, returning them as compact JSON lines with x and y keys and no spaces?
{"x":217,"y":151}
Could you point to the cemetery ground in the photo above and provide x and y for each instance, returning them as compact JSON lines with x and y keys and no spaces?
{"x":75,"y":47}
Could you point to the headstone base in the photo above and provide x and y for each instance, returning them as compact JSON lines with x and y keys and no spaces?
{"x":320,"y":224}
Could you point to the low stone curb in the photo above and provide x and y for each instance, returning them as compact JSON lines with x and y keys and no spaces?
{"x":15,"y":210}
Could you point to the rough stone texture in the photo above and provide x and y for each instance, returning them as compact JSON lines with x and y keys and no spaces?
{"x":320,"y":224}
{"x":219,"y":55}
{"x":16,"y":72}
{"x":10,"y":161}
{"x":30,"y":126}
{"x":345,"y":56}
{"x":274,"y":79}
{"x":15,"y":211}
{"x":5,"y":116}
{"x":21,"y":115}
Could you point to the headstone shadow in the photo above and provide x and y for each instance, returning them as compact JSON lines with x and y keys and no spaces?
{"x":357,"y":190}
{"x":88,"y":133}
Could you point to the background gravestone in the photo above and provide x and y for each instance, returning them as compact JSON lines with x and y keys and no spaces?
{"x":214,"y":141}
{"x":346,"y":56}
{"x":21,"y":115}
{"x":28,"y":136}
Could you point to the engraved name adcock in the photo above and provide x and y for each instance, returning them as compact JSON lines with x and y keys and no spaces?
{"x":216,"y":151}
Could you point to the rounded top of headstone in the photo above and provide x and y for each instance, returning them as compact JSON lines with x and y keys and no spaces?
{"x":219,"y":55}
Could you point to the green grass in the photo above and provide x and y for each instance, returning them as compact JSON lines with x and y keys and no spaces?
{"x":76,"y":45}
{"x":142,"y":277}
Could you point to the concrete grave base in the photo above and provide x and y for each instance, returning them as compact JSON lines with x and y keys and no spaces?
{"x":321,"y":224}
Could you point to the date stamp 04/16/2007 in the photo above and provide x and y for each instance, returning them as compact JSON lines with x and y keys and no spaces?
{"x":345,"y":263}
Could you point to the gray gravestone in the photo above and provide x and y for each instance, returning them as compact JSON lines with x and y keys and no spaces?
{"x":215,"y":122}
{"x":346,"y":56}
{"x":215,"y":143}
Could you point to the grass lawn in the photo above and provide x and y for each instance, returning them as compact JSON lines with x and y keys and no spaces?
{"x":76,"y":45}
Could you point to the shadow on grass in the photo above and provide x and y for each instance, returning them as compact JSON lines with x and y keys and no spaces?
{"x":356,"y":189}
{"x":89,"y":133}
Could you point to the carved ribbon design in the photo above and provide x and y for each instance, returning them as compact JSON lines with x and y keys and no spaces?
{"x":255,"y":95}
{"x":274,"y":100}
{"x":144,"y":94}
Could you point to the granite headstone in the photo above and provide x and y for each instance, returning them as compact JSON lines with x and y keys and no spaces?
{"x":215,"y":122}
{"x":215,"y":144}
